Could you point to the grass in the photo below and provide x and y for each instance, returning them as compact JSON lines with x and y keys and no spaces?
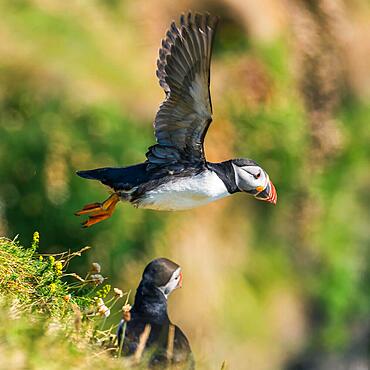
{"x":52,"y":318}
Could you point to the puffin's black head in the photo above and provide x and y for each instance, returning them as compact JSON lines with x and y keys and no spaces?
{"x":163,"y":274}
{"x":252,"y":179}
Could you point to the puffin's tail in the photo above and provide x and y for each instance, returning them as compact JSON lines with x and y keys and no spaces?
{"x":108,"y":176}
{"x":90,"y":174}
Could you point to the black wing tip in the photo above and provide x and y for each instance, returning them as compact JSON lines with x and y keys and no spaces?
{"x":191,"y":17}
{"x":196,"y":16}
{"x":205,"y":21}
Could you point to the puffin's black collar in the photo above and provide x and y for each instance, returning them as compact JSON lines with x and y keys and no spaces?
{"x":225,"y":172}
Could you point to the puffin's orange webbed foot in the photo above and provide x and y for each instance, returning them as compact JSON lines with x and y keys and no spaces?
{"x":92,"y":220}
{"x":98,"y":212}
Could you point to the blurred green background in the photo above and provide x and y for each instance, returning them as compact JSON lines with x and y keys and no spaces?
{"x":283,"y":287}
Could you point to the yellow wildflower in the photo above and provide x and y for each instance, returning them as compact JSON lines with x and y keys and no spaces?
{"x":36,"y":236}
{"x":58,"y":267}
{"x":52,"y":259}
{"x":52,"y":287}
{"x":107,"y":289}
{"x":35,"y":239}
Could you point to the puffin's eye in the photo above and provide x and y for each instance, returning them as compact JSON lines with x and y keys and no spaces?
{"x":256,"y":176}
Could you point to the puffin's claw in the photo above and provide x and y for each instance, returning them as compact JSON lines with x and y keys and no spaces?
{"x":89,"y":208}
{"x":98,"y":211}
{"x":92,"y":220}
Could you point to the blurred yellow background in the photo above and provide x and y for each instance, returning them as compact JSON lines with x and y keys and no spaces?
{"x":265,"y":287}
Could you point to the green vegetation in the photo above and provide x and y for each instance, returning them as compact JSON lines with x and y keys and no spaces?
{"x":47,"y":322}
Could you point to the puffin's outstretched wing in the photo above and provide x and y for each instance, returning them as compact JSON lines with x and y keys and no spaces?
{"x":184,"y":73}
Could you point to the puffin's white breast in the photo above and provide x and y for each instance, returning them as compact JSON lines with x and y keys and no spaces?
{"x":185,"y":192}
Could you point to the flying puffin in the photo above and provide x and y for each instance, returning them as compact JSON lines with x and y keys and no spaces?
{"x":176,"y":174}
{"x":165,"y":343}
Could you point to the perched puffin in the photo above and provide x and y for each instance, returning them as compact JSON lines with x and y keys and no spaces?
{"x":165,"y":344}
{"x":176,"y":175}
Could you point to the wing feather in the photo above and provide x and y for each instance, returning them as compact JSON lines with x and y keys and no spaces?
{"x":183,"y":70}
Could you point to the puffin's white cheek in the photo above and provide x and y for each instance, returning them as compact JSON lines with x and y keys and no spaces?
{"x":244,"y":180}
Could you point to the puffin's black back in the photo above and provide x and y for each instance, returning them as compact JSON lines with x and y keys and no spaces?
{"x":156,"y":347}
{"x":150,"y":309}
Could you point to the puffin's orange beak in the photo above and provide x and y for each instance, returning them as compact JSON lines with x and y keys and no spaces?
{"x":180,"y":281}
{"x":269,"y":194}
